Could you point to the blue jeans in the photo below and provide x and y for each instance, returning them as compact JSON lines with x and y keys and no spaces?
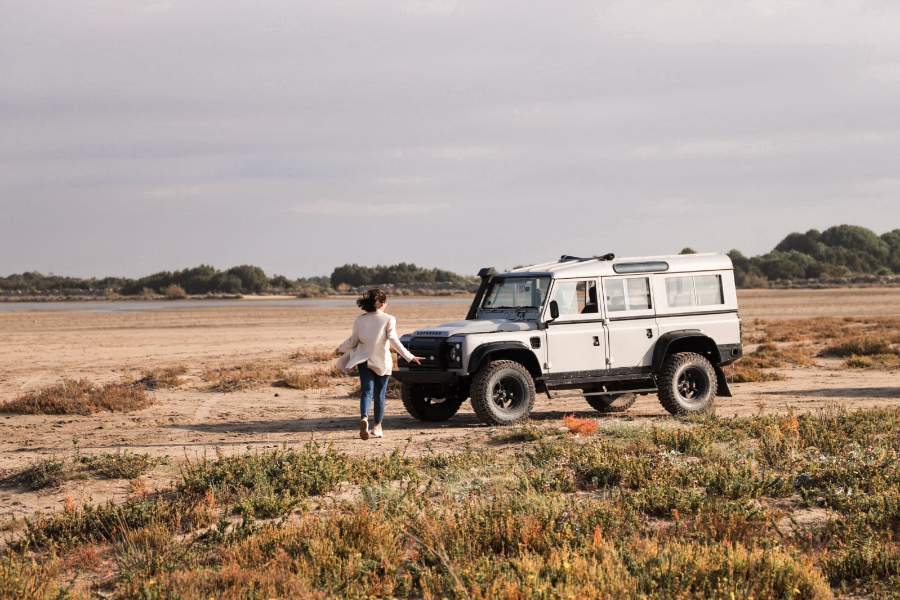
{"x":371,"y":384}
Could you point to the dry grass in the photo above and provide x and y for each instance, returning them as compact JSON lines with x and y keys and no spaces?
{"x":47,"y":472}
{"x":240,"y":377}
{"x":318,"y":378}
{"x":318,"y":354}
{"x":875,"y":361}
{"x":80,"y":397}
{"x":162,"y":377}
{"x":755,"y":366}
{"x":861,"y":345}
{"x":742,"y":373}
{"x":705,"y":508}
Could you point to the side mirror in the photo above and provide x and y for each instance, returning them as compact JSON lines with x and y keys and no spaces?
{"x":554,"y":309}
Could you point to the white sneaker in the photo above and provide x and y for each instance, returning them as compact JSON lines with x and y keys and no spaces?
{"x":376,"y":431}
{"x":364,"y":428}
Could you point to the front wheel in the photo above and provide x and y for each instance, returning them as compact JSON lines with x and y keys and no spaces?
{"x":430,"y":403}
{"x":687,"y":384}
{"x":502,"y":393}
{"x":611,"y":403}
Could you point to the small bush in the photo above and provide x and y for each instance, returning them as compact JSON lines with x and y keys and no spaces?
{"x":859,"y":362}
{"x":862,"y":345}
{"x":43,"y":473}
{"x":80,"y":397}
{"x":748,"y":374}
{"x":162,"y":377}
{"x":312,"y":354}
{"x":873,"y":361}
{"x":146,"y":552}
{"x":527,"y":432}
{"x":318,"y":378}
{"x":240,"y":377}
{"x":121,"y":465}
{"x":579,"y":425}
{"x":24,"y":577}
{"x":174,"y":292}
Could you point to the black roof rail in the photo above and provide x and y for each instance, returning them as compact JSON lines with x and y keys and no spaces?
{"x":566,"y":257}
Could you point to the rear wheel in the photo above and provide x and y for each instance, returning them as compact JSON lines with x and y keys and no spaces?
{"x":687,"y":384}
{"x":611,"y":403}
{"x":502,"y":393}
{"x":430,"y":403}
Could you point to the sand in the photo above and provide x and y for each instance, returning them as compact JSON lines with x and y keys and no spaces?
{"x":39,"y":347}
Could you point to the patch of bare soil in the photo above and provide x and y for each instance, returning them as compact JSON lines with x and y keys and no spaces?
{"x":39,"y":348}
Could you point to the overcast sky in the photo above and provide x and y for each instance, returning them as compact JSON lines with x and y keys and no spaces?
{"x":301,"y":135}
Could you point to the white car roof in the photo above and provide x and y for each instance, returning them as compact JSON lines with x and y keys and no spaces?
{"x":596,"y":267}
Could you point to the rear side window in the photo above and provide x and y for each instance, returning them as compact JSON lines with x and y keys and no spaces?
{"x":696,"y":290}
{"x":627,"y":294}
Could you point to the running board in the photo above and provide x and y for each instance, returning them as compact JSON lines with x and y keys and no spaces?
{"x":584,"y":394}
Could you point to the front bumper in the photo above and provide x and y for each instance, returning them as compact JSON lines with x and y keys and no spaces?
{"x":426,"y":376}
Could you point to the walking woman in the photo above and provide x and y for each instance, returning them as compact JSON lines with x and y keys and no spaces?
{"x":369,"y":347}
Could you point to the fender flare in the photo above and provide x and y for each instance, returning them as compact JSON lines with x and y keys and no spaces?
{"x":483,"y":351}
{"x":661,"y":350}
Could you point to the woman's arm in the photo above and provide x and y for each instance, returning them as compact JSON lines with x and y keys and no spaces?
{"x":397,"y":344}
{"x":350,"y":342}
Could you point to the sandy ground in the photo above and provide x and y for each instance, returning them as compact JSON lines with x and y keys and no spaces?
{"x":38,"y":348}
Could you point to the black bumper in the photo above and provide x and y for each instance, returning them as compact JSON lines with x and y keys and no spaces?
{"x":426,"y":376}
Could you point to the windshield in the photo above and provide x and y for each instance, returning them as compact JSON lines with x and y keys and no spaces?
{"x":516,"y":292}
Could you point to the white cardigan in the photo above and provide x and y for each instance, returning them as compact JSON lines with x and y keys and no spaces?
{"x":373,"y":335}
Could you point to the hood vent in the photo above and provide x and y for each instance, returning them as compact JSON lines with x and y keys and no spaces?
{"x":431,"y":333}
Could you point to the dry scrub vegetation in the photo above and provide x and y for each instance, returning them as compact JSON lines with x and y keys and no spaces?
{"x":51,"y":472}
{"x":796,"y":506}
{"x":80,"y":397}
{"x":870,"y":342}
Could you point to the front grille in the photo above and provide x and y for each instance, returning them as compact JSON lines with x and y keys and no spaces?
{"x":429,"y":349}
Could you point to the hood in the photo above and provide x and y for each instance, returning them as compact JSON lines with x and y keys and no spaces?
{"x":478,"y":326}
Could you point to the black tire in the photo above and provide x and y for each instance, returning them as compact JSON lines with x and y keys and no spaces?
{"x":424,"y":403}
{"x":687,"y":384}
{"x":502,"y":393}
{"x":614,"y":403}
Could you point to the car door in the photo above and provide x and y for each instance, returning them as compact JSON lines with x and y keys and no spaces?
{"x":576,"y":340}
{"x":632,"y":328}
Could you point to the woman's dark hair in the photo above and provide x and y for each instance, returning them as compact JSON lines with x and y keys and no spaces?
{"x":370,"y":300}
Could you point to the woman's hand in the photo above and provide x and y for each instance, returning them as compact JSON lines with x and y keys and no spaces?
{"x":416,"y":359}
{"x":337,"y":352}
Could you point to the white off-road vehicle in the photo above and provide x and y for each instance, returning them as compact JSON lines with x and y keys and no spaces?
{"x":609,"y":327}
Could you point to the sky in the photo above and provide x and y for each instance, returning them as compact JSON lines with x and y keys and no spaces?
{"x":298,"y":136}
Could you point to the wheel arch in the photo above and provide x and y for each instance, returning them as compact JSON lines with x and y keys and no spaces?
{"x":686,"y":340}
{"x":509,"y":350}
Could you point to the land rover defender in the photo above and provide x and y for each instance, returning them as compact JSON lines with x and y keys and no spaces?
{"x":609,"y":328}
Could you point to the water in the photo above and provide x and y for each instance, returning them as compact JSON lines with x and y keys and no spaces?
{"x":106,"y":306}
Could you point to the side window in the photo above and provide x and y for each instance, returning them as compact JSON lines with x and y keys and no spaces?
{"x":627,"y":294}
{"x":576,"y":297}
{"x":680,"y":291}
{"x":696,"y":290}
{"x":709,"y":289}
{"x":638,"y":293}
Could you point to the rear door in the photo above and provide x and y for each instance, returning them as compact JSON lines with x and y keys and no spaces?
{"x":632,"y":329}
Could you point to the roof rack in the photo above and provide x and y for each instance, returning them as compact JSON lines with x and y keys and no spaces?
{"x":566,"y":257}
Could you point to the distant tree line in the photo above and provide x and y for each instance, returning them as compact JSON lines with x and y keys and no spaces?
{"x":355,"y":275}
{"x":839,"y":251}
{"x":244,"y":279}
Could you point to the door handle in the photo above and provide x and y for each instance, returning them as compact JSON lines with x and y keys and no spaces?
{"x":596,"y":340}
{"x":649,"y":333}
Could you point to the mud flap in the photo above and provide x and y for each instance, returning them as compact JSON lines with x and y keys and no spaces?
{"x":722,"y":381}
